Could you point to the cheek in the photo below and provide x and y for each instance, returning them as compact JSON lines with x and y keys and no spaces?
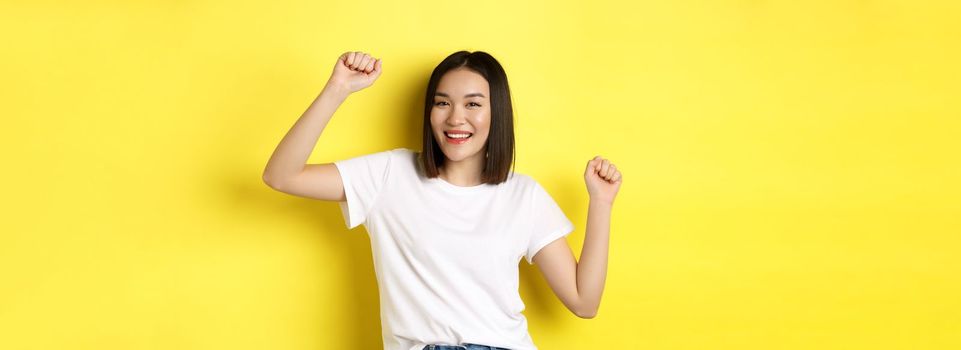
{"x":436,"y":121}
{"x":481,"y":120}
{"x":438,"y":115}
{"x":482,"y":138}
{"x":483,"y":134}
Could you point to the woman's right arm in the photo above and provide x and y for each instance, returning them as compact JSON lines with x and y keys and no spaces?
{"x":287,"y":171}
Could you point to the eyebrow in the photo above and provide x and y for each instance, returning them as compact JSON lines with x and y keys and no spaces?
{"x":473,"y":94}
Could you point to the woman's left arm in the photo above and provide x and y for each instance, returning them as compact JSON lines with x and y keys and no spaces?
{"x":580,"y":285}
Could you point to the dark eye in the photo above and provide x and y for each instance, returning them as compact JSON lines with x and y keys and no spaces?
{"x":474,"y":103}
{"x":438,"y":103}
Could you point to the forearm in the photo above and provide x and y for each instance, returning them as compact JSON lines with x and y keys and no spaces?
{"x":592,"y":266}
{"x":292,"y":153}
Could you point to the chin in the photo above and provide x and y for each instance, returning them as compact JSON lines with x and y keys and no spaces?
{"x":457,"y":155}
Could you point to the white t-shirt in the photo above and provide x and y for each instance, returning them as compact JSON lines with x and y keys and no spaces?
{"x":445,"y":256}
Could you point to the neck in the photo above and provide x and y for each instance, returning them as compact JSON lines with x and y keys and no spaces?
{"x":466,"y":172}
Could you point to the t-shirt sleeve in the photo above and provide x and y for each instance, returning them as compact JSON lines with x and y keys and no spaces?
{"x":549,"y":222}
{"x":363,"y":178}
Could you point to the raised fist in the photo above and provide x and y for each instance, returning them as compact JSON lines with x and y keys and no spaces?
{"x":354,"y":71}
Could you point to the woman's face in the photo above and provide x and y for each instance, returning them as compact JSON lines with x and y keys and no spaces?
{"x":461,"y":107}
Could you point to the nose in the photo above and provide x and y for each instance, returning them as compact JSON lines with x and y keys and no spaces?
{"x":456,"y":117}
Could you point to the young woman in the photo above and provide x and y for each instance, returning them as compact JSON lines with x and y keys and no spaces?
{"x":449,"y":224}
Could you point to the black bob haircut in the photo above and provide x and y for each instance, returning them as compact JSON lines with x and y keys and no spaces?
{"x":500,"y":140}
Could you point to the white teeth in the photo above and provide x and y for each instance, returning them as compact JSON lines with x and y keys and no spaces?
{"x":457,"y":136}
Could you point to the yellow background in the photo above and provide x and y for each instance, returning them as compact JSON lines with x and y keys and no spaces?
{"x":791,"y":168}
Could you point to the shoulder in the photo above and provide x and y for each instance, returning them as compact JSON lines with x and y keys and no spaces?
{"x":389,"y":155}
{"x":405,"y":158}
{"x":523,"y":183}
{"x":532,"y":190}
{"x":402,"y":152}
{"x":379,"y":159}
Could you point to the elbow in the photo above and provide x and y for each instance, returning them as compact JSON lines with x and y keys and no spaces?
{"x":586,"y":314}
{"x":269,"y":181}
{"x":584,"y":308}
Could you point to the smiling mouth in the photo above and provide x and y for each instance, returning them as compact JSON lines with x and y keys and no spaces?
{"x":457,"y":138}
